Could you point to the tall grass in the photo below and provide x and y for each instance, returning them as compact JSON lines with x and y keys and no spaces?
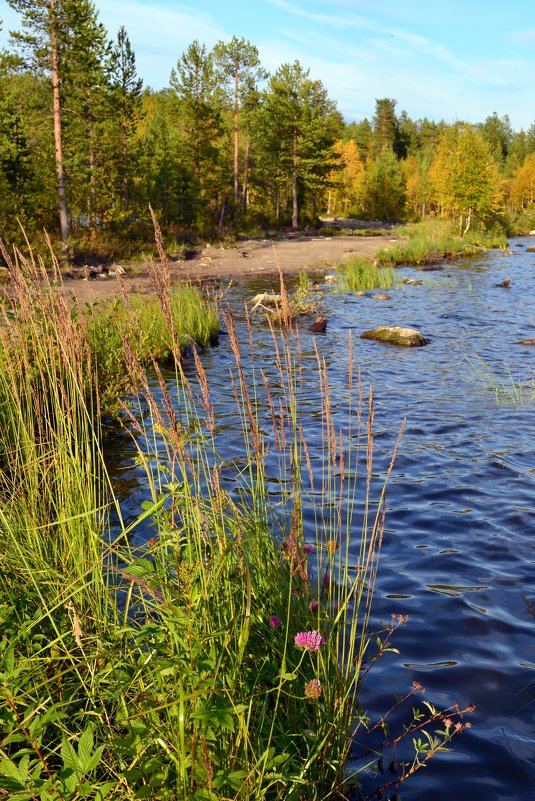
{"x":140,"y":319}
{"x":223,"y":657}
{"x":360,"y":274}
{"x":435,"y":240}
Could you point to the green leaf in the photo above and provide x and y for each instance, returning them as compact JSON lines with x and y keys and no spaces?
{"x":85,"y":747}
{"x":234,"y":778}
{"x":289,"y":676}
{"x":205,"y":795}
{"x":69,"y":756}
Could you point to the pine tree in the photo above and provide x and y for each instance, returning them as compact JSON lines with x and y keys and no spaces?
{"x":124,"y":97}
{"x":63,"y":40}
{"x":44,"y":25}
{"x":239,"y":71}
{"x":194,"y":82}
{"x":302,"y":125}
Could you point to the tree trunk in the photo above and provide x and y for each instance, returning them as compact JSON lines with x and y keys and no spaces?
{"x":245,"y":177}
{"x":92,"y":202}
{"x":468,"y":222}
{"x":295,"y":209}
{"x":126,"y":183}
{"x":58,"y":141}
{"x":236,"y":141}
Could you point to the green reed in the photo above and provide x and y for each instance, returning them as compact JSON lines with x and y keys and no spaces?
{"x":361,"y":274}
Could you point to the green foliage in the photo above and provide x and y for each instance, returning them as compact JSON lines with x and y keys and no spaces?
{"x":431,"y":241}
{"x":360,"y":274}
{"x":465,"y":177}
{"x":142,"y":321}
{"x":384,"y":190}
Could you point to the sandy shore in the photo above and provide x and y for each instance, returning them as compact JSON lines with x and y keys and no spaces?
{"x":249,"y":258}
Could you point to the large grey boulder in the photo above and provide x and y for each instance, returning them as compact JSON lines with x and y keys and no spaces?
{"x":396,"y":335}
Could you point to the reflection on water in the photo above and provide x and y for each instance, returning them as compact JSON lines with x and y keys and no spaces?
{"x":458,"y":554}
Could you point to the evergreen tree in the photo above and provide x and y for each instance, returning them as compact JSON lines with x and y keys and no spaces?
{"x":385,"y":125}
{"x":195,"y":84}
{"x":44,"y":27}
{"x":384,"y":190}
{"x":62,"y":40}
{"x":302,"y":124}
{"x":239,"y":70}
{"x":497,"y":131}
{"x":85,"y":118}
{"x":124,"y":97}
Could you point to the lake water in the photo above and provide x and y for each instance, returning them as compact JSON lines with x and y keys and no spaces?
{"x":459,"y":549}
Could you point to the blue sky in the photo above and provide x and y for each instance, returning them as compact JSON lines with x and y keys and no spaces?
{"x":444,"y":59}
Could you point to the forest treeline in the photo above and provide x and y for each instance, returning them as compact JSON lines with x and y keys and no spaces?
{"x":85,"y":148}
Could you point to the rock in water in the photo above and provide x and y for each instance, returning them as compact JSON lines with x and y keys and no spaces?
{"x":396,"y":335}
{"x":318,"y":325}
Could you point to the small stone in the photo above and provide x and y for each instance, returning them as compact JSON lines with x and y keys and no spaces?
{"x":381,"y":297}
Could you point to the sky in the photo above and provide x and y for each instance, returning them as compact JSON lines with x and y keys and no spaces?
{"x":441,"y":59}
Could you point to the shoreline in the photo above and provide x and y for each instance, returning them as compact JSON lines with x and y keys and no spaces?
{"x":248,"y":259}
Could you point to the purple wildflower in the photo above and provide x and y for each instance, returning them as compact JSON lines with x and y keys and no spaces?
{"x":313,"y":689}
{"x":274,"y":622}
{"x":296,"y":591}
{"x":313,"y":605}
{"x":309,"y":640}
{"x":309,"y":548}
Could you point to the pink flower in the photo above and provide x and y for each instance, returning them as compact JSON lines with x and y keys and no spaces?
{"x":313,"y":688}
{"x":309,"y":640}
{"x":313,"y":605}
{"x":274,"y":622}
{"x":309,"y":548}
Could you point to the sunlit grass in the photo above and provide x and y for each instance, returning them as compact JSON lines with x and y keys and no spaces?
{"x":361,"y":274}
{"x":432,"y":241}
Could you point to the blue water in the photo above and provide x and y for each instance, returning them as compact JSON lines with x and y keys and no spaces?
{"x":458,"y":554}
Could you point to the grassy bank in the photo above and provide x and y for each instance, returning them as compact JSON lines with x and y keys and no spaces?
{"x":432,"y":241}
{"x":222,"y":656}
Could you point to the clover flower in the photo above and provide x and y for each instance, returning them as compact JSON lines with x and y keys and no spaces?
{"x":309,"y":640}
{"x":274,"y":622}
{"x":313,"y":605}
{"x":308,"y":548}
{"x":313,"y":689}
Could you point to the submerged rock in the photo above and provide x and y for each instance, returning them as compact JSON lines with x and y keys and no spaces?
{"x":526,"y":342}
{"x":396,"y":335}
{"x":381,"y":297}
{"x":411,"y":281}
